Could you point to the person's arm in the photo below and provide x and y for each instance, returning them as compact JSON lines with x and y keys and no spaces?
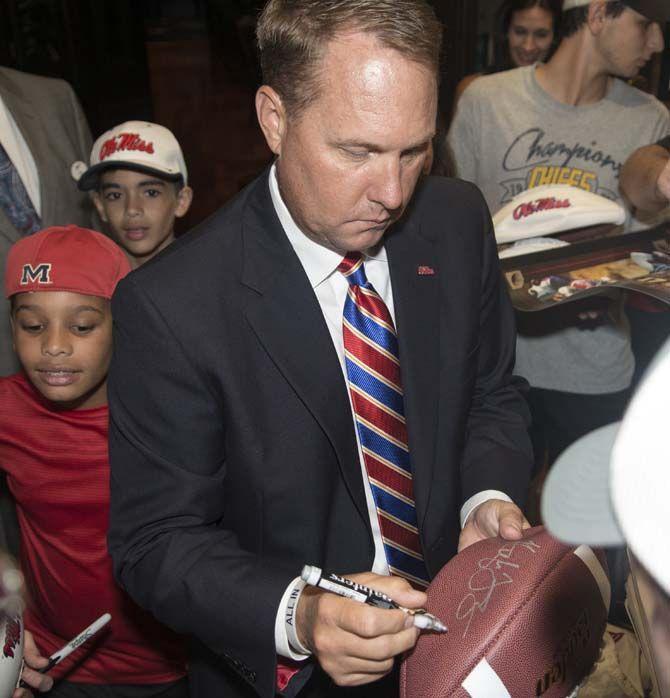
{"x":171,"y":552}
{"x":462,"y":140}
{"x":168,"y":486}
{"x":498,"y":453}
{"x":645,"y":177}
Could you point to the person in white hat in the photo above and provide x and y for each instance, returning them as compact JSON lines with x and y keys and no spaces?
{"x":610,"y":488}
{"x":139,"y":185}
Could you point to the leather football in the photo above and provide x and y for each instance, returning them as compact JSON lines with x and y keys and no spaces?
{"x":525,"y":618}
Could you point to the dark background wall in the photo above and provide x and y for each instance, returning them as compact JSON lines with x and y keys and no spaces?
{"x":190,"y":65}
{"x":187,"y":64}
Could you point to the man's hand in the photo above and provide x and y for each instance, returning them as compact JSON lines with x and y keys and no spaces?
{"x":492,"y":518}
{"x":663,"y":183}
{"x":33,"y":661}
{"x":355,"y":643}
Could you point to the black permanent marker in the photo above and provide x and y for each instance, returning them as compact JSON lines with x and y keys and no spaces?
{"x":342,"y":586}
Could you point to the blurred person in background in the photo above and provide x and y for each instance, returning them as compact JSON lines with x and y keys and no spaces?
{"x":525,"y":33}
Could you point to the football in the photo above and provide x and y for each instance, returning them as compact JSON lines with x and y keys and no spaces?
{"x":524,"y":618}
{"x":11,"y":653}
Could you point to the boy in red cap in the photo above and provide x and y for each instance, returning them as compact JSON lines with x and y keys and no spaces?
{"x":53,"y":447}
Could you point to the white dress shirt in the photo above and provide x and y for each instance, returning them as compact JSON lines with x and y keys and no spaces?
{"x":19,"y":153}
{"x":330,"y":287}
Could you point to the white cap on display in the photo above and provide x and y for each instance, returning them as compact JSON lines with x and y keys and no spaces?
{"x":610,"y":488}
{"x":553,"y":208}
{"x":135,"y":145}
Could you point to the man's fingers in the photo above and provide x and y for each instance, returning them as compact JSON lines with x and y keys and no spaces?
{"x":40,"y":682}
{"x":31,"y":654}
{"x":362,"y":620}
{"x":22,"y":693}
{"x":469,"y":535}
{"x":348,"y":656}
{"x":399,"y":589}
{"x":511,"y":523}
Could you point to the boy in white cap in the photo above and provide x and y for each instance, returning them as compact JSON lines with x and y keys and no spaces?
{"x":609,"y":489}
{"x":139,"y":185}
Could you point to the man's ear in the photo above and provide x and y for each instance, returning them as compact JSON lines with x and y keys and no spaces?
{"x":184,"y":199}
{"x":12,"y":325}
{"x":271,"y":114}
{"x":597,"y":16}
{"x":97,"y":200}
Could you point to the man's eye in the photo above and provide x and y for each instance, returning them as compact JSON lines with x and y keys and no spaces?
{"x":31,"y":327}
{"x":520,"y":31}
{"x":82,"y":329}
{"x":152,"y":193}
{"x":356,"y":154}
{"x":112,"y":196}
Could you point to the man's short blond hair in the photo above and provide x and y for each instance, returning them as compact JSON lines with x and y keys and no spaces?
{"x":292,"y":36}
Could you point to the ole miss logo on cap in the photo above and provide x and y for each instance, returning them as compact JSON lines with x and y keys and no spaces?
{"x":530,"y":207}
{"x":125,"y":141}
{"x":40,"y":274}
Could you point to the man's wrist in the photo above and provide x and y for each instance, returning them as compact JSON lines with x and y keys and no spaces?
{"x":287,"y":642}
{"x":291,"y":619}
{"x":477,"y":499}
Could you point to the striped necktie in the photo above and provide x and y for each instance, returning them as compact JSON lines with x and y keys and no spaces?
{"x":373,"y":369}
{"x":14,"y":199}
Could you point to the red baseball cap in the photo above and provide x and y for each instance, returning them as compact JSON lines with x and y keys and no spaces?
{"x":65,"y":258}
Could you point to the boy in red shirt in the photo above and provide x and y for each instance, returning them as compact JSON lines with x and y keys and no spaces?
{"x":53,"y":447}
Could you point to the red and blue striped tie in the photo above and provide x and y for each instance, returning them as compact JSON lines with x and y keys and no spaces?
{"x":373,"y":369}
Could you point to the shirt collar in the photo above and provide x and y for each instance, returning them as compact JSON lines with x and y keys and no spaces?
{"x":318,"y":262}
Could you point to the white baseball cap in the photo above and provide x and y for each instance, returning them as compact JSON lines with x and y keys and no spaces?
{"x":133,"y":145}
{"x":611,"y":487}
{"x":553,"y":208}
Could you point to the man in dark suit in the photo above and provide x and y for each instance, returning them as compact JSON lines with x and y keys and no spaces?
{"x":264,"y":413}
{"x":43,"y":130}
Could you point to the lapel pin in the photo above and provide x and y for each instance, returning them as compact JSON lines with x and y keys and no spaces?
{"x":423,"y":270}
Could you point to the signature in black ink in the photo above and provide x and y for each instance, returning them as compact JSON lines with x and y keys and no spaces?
{"x":491,"y":573}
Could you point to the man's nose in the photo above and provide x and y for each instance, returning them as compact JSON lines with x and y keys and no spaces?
{"x":529,"y":43}
{"x":56,"y":342}
{"x":387,"y":187}
{"x":133,"y":205}
{"x":655,"y":40}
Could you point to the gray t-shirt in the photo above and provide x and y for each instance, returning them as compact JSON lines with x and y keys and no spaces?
{"x":509,"y":135}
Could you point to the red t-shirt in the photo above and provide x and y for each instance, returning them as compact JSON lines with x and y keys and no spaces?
{"x":58,"y":471}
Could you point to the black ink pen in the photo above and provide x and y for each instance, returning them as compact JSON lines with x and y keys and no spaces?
{"x":71,"y":646}
{"x":342,"y":586}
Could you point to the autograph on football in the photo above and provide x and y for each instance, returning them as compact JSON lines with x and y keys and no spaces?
{"x":491,"y":573}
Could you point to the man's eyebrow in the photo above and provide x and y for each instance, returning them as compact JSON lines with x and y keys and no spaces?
{"x":374,"y":148}
{"x":80,"y":308}
{"x":143,"y":183}
{"x":152,"y":182}
{"x":76,"y":309}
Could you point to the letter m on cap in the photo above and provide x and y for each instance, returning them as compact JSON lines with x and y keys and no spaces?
{"x":40,"y":274}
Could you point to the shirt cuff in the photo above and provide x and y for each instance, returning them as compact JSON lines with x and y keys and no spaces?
{"x":286,"y":638}
{"x":478,"y":499}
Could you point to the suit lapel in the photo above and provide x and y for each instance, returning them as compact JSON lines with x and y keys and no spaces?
{"x":285,"y":315}
{"x":412,"y":258}
{"x":34,"y":133}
